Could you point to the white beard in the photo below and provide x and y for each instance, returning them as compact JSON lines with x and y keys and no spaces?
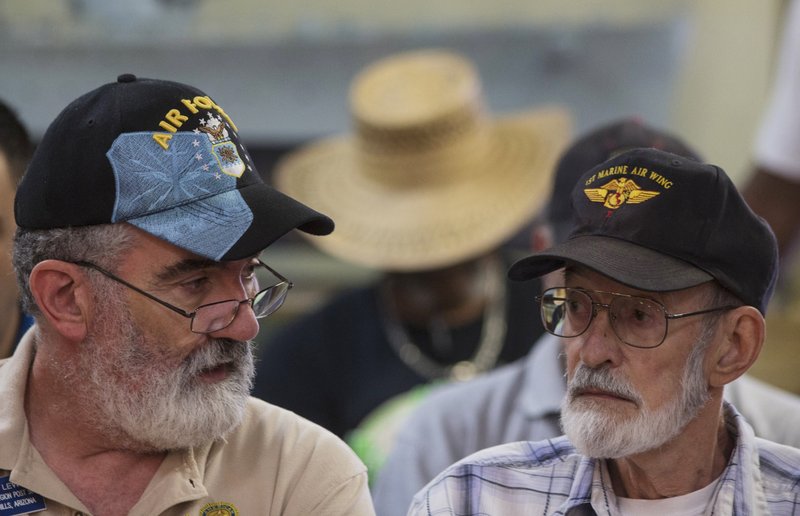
{"x":140,"y":400}
{"x":598,"y":432}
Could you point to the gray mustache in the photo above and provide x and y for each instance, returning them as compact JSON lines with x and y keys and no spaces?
{"x":217,"y":352}
{"x":586,"y":378}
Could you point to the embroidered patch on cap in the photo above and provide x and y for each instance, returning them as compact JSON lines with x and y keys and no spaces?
{"x":617,"y":192}
{"x":16,"y":499}
{"x":185,"y":194}
{"x":624,"y":190}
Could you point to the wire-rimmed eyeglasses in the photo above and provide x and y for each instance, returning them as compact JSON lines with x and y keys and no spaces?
{"x":219,"y":315}
{"x":637,"y":321}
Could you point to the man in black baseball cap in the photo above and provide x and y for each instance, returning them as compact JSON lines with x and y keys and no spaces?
{"x":140,"y":223}
{"x":660,"y":222}
{"x":667,"y":274}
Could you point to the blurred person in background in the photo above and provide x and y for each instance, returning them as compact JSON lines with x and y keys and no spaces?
{"x":427,"y":191}
{"x":15,"y":152}
{"x":522,"y":401}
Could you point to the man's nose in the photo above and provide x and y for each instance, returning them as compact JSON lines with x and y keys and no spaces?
{"x":599,"y":343}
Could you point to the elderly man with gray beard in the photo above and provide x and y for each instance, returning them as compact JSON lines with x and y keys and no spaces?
{"x":667,"y":274}
{"x":141,"y":220}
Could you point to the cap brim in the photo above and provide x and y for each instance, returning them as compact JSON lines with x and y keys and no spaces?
{"x":235,"y":224}
{"x":274,"y":215}
{"x":630,"y":264}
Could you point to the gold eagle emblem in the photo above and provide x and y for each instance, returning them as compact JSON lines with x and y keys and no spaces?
{"x":216,"y":132}
{"x":617,"y":192}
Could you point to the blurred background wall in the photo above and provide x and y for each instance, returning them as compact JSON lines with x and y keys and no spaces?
{"x":282,"y":69}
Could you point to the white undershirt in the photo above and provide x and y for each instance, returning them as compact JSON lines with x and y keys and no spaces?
{"x":691,"y":504}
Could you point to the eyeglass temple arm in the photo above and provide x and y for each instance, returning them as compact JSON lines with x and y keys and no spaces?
{"x":701,"y":312}
{"x":277,"y":274}
{"x":189,"y":315}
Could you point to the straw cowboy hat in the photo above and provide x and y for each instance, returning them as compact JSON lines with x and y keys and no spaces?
{"x":428,"y":179}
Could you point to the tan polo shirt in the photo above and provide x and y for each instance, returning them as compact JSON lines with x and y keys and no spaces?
{"x":275,"y":462}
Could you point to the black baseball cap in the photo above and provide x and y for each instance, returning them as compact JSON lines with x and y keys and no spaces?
{"x":601,"y":143}
{"x":657,"y":221}
{"x":164,"y":157}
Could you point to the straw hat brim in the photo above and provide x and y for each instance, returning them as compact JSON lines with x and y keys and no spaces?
{"x":429,"y":226}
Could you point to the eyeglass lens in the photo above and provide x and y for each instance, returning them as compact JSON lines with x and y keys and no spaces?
{"x":216,"y":316}
{"x":637,"y":321}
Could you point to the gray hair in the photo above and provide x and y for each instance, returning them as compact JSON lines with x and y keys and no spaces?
{"x":103,"y":244}
{"x":717,"y":296}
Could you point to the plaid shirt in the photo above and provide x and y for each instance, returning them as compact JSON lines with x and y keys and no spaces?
{"x":551,"y":478}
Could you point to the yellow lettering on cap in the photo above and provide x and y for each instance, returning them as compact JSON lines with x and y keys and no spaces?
{"x":188,"y":103}
{"x":613,"y":171}
{"x":175,"y":116}
{"x":661,"y":180}
{"x":203,"y":102}
{"x":162,"y":139}
{"x":162,"y":124}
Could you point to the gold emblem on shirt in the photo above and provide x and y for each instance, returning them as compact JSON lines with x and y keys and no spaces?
{"x":219,"y":509}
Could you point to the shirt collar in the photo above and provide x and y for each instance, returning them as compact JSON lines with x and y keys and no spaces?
{"x":25,"y":322}
{"x":13,"y":379}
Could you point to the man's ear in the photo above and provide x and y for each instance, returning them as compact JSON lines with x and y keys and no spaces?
{"x":742,"y":334}
{"x":62,"y":292}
